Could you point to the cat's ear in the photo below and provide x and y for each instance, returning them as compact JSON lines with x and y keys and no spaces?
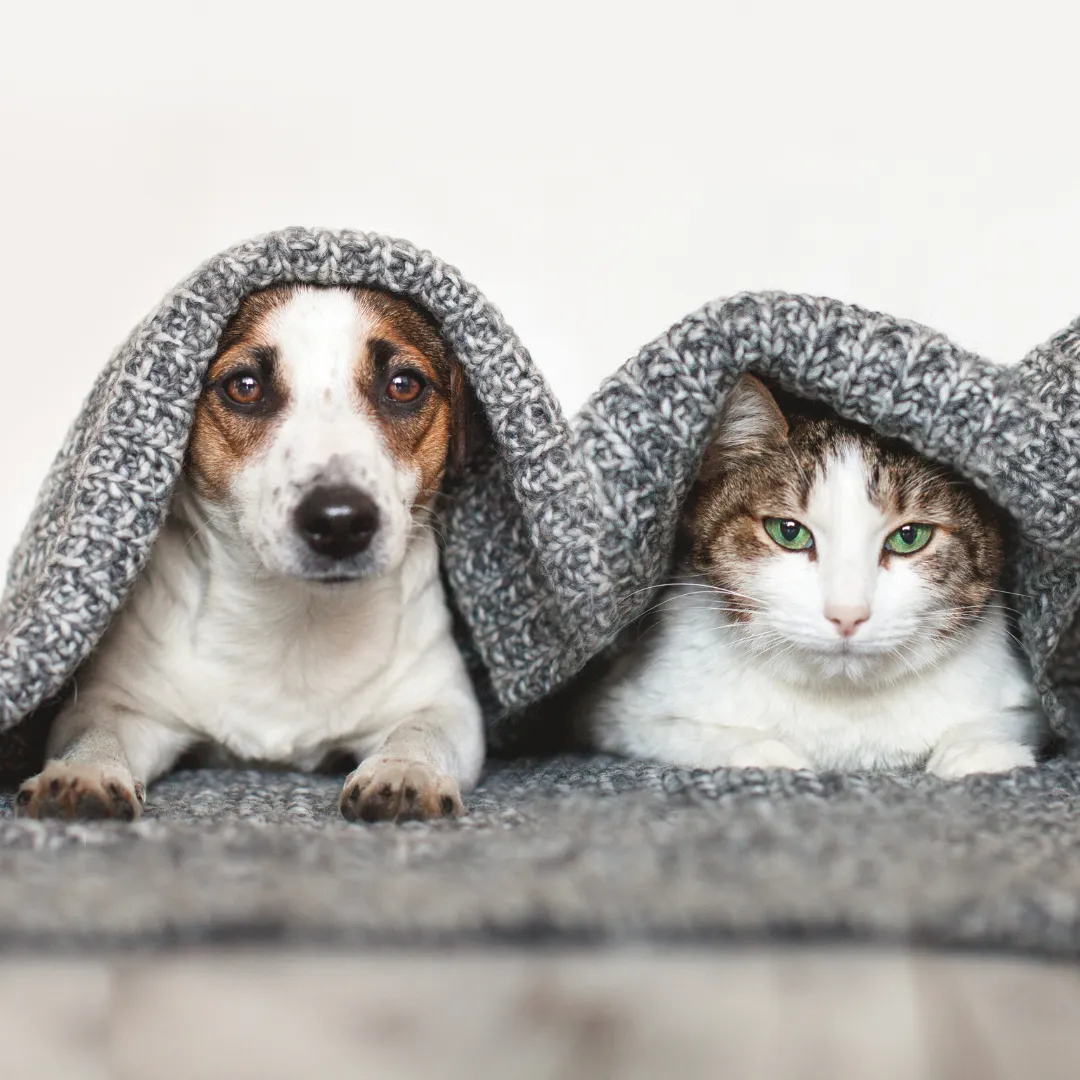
{"x":750,"y":415}
{"x":748,"y":418}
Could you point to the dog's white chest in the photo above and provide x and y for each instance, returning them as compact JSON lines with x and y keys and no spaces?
{"x":297,"y":693}
{"x":272,"y":673}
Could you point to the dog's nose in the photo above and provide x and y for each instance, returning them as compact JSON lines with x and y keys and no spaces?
{"x":337,"y":521}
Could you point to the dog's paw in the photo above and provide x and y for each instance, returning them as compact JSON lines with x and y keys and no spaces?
{"x":767,"y":754}
{"x":953,"y":760}
{"x":394,"y":789}
{"x":79,"y":793}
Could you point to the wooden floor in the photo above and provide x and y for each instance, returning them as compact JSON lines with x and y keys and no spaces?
{"x":767,"y":1014}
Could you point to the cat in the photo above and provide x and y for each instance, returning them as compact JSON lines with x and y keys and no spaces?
{"x":839,"y":610}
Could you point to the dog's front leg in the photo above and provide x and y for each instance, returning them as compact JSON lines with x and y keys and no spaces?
{"x":419,"y":772}
{"x":91,"y":778}
{"x":100,"y":762}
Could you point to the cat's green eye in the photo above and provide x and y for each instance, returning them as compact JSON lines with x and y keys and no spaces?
{"x":909,"y":538}
{"x":789,"y":534}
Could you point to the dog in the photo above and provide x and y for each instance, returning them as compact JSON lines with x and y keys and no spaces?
{"x":291,"y":610}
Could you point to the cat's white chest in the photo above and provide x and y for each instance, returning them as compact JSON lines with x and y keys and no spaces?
{"x":892,"y":729}
{"x":696,"y":696}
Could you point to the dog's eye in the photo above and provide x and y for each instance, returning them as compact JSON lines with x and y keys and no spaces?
{"x":244,"y":389}
{"x":404,"y":387}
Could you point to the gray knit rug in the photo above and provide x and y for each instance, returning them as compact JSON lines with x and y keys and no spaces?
{"x":566,"y":850}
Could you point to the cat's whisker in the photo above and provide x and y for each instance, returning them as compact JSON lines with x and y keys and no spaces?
{"x":682,"y":583}
{"x":1007,"y":592}
{"x":799,"y":469}
{"x":709,"y":587}
{"x":727,"y":622}
{"x":901,"y":649}
{"x":673,"y":599}
{"x":728,"y":609}
{"x":773,"y":658}
{"x":753,"y":639}
{"x":760,"y":644}
{"x":647,"y":588}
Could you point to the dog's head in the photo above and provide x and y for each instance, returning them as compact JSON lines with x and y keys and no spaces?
{"x":328,"y":420}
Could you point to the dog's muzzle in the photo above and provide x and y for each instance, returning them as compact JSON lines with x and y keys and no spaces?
{"x":337,"y":522}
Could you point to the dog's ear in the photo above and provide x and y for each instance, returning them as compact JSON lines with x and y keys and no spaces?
{"x":464,"y":419}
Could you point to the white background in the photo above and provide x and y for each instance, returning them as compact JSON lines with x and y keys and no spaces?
{"x":599,"y":170}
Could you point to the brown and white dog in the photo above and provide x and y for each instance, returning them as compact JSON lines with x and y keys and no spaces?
{"x":292,"y":609}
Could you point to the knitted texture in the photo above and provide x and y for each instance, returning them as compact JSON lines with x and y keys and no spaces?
{"x":558,"y":529}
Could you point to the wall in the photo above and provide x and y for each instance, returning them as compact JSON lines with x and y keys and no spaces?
{"x":599,"y":170}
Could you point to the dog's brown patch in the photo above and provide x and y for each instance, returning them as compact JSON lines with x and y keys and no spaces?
{"x":222,"y":438}
{"x":427,"y":434}
{"x":763,"y":463}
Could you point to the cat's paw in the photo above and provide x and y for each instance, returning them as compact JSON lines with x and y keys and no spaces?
{"x":952,"y":760}
{"x":80,"y":793}
{"x":394,"y":789}
{"x":767,"y":754}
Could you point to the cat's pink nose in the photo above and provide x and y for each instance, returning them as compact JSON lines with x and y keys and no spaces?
{"x":847,"y":618}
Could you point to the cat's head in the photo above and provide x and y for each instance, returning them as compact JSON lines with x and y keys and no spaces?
{"x":843,"y":556}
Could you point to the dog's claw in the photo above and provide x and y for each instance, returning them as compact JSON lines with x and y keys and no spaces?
{"x":394,"y":789}
{"x":78,"y":793}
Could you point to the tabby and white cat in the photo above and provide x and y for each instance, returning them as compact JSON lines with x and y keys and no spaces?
{"x":839,"y":613}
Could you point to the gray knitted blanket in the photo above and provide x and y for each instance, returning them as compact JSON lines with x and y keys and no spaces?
{"x":558,"y":526}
